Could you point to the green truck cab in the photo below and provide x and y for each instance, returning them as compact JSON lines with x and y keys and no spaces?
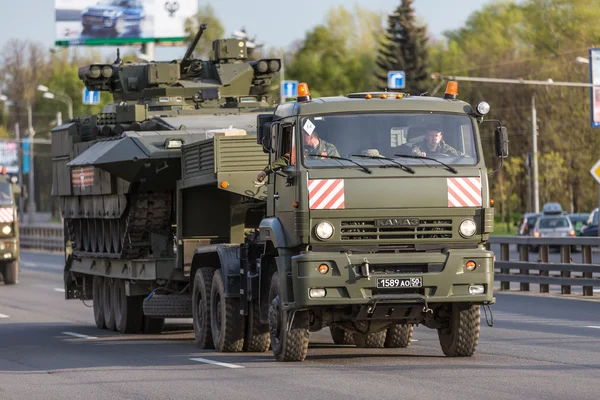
{"x":9,"y":229}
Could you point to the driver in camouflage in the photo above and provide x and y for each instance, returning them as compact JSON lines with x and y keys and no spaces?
{"x":313,"y":145}
{"x":434,"y":143}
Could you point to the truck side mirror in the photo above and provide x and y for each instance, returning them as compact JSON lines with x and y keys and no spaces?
{"x":263,"y":131}
{"x":501,"y":142}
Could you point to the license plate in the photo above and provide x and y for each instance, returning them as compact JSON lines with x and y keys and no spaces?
{"x":415,"y":282}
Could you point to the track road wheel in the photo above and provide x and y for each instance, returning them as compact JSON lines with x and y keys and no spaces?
{"x":152,"y":325}
{"x":369,"y":340}
{"x":398,"y":336}
{"x":226,"y":323}
{"x":127,"y":309}
{"x":258,"y":338}
{"x":10,"y":273}
{"x":201,"y":308}
{"x":340,"y":336}
{"x":98,"y":301}
{"x":287,"y":345}
{"x":461,"y":336}
{"x":109,"y":316}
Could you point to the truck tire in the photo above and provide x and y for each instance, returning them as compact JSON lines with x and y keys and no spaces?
{"x":258,"y":338}
{"x":398,"y":336}
{"x":227,"y":325}
{"x":109,"y":316}
{"x":98,"y":301}
{"x":340,"y":336}
{"x":152,"y":326}
{"x":168,"y":306}
{"x":201,"y":308}
{"x":287,"y":345}
{"x":127,"y":309}
{"x":461,"y":336}
{"x":369,"y":340}
{"x":10,"y":273}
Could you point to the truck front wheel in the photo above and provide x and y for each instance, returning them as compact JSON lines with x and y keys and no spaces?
{"x":369,"y":340}
{"x":98,"y":301}
{"x":225,"y":320}
{"x":461,"y":336}
{"x":258,"y":339}
{"x":10,"y":273}
{"x":287,"y":345}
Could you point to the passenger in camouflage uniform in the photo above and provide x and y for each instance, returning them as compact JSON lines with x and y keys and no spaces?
{"x":434,"y":143}
{"x":313,"y":145}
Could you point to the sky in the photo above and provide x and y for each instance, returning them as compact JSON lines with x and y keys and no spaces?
{"x":278,"y":23}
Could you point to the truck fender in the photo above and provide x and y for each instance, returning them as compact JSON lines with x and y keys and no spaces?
{"x":226,"y":257}
{"x":271,"y":230}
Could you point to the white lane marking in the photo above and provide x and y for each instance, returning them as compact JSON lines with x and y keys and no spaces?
{"x":204,"y":360}
{"x":79,"y":335}
{"x":414,"y":340}
{"x":4,"y":316}
{"x":595,"y":327}
{"x":56,"y":289}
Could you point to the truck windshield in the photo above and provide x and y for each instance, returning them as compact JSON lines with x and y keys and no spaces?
{"x":5,"y":193}
{"x":447,"y":138}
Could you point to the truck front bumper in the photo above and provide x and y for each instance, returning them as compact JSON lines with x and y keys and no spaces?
{"x":346,"y":284}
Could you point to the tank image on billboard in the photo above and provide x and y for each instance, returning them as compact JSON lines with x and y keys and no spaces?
{"x":113,"y":22}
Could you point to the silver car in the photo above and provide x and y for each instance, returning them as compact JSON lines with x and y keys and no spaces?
{"x":553,"y":226}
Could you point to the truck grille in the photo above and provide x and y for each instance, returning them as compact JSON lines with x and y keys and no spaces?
{"x":425,"y":229}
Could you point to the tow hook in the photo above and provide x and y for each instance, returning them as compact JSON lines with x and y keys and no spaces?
{"x":364,"y":269}
{"x":491,"y":316}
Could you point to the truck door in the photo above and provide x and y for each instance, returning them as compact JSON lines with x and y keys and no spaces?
{"x":285,"y":184}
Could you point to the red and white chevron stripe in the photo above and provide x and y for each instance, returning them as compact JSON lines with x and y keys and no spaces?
{"x":326,"y":194}
{"x":464,"y":192}
{"x":6,"y":215}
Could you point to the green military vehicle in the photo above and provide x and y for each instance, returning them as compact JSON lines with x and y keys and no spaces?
{"x":9,"y":228}
{"x":165,"y":218}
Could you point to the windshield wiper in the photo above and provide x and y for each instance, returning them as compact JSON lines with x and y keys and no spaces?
{"x":401,"y":166}
{"x":451,"y":169}
{"x":367,"y":170}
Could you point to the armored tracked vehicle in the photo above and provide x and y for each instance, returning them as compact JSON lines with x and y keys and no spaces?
{"x":376,"y":219}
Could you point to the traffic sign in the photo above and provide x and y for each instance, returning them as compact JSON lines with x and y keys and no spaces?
{"x":91,"y":97}
{"x":396,"y":80}
{"x":594,"y":61}
{"x":289,"y":89}
{"x":595,"y":171}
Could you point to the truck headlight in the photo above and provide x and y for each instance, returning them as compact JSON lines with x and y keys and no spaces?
{"x":6,"y":229}
{"x":467,"y":228}
{"x":324,"y":230}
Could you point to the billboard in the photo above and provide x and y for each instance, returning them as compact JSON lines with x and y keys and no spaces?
{"x":595,"y":90}
{"x":9,"y":156}
{"x":117,"y":22}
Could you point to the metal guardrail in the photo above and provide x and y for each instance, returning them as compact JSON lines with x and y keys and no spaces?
{"x":566,"y":273}
{"x":48,"y":237}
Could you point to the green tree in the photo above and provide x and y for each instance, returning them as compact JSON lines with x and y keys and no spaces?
{"x":404,"y":48}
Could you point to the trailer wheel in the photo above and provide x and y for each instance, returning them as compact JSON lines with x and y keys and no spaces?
{"x":201,"y":308}
{"x":98,"y":301}
{"x":340,"y":336}
{"x":287,"y":345}
{"x":461,"y":336}
{"x":226,"y":323}
{"x":127,"y":309}
{"x":10,"y":273}
{"x":369,"y":340}
{"x":152,"y":325}
{"x":109,"y":316}
{"x":398,"y":336}
{"x":257,"y":339}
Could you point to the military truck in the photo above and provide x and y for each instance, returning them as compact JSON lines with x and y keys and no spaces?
{"x":164,"y":216}
{"x":9,"y":228}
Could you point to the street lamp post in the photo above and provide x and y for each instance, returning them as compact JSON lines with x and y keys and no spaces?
{"x":62,"y":97}
{"x":549,"y":82}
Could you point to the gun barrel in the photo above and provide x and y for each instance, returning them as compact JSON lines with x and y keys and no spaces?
{"x":194,"y":43}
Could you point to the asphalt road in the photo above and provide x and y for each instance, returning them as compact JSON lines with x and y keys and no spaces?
{"x":540,"y":347}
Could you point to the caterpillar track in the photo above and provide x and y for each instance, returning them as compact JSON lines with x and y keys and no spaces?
{"x":127,"y":237}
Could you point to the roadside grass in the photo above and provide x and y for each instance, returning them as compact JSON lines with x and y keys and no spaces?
{"x":500,"y":229}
